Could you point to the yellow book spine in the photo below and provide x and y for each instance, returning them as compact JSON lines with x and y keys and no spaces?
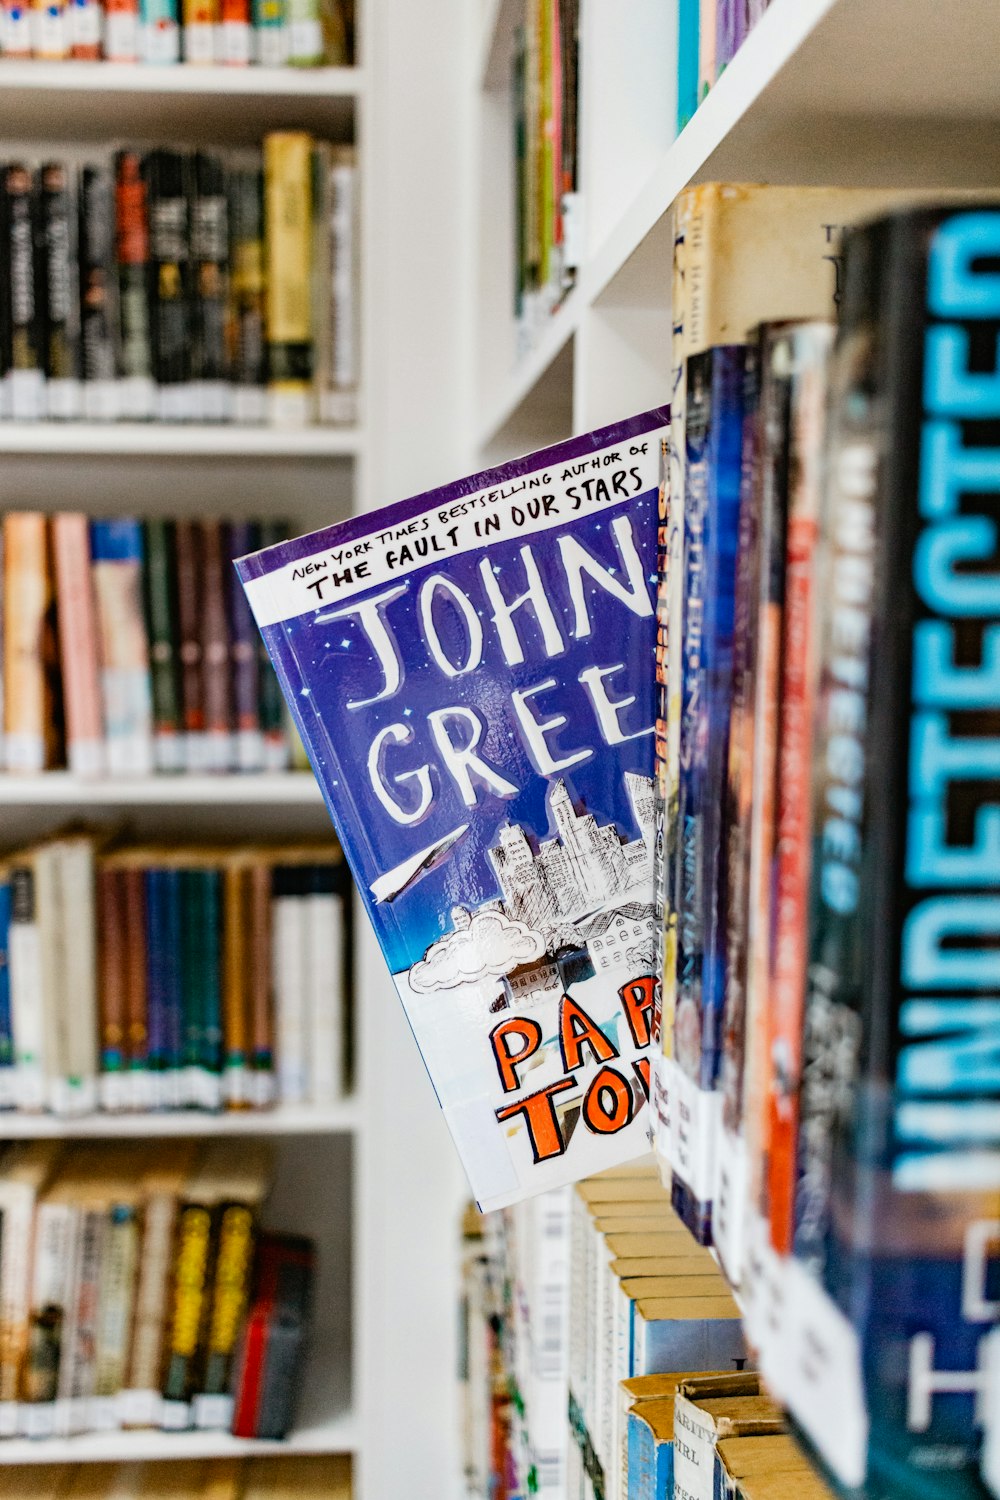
{"x":288,"y":249}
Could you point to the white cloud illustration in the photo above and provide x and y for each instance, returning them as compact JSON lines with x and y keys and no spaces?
{"x":486,"y":945}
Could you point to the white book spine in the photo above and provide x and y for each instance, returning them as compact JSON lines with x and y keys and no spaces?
{"x":325,"y":1004}
{"x":288,"y":957}
{"x":17,"y":1214}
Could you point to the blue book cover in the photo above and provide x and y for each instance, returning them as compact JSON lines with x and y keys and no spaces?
{"x":688,"y":16}
{"x":471,"y":673}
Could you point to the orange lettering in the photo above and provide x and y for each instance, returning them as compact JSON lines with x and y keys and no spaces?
{"x":638,"y":999}
{"x":541,"y":1119}
{"x":608,"y":1105}
{"x":530,"y":1034}
{"x":576,"y":1031}
{"x":640,"y":1066}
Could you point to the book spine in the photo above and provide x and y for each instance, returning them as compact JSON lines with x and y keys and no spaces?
{"x":687,"y":61}
{"x":213,"y":1406}
{"x":26,"y":380}
{"x":159,"y":31}
{"x":236,"y":979}
{"x":26,"y":600}
{"x":305,"y":33}
{"x":210,"y":285}
{"x":86,"y":29}
{"x":50,"y":917}
{"x":809,"y":351}
{"x":50,"y":33}
{"x":58,"y":289}
{"x":188,"y":1295}
{"x":56,"y":1229}
{"x":215,"y":649}
{"x":136,"y":388}
{"x":201,"y":24}
{"x":714,"y":421}
{"x":325,"y":1002}
{"x":26,"y":991}
{"x":17,"y":1221}
{"x":234,"y":44}
{"x":118,"y":1287}
{"x":289,"y":958}
{"x":270,"y":30}
{"x":98,"y":319}
{"x":77,"y":1088}
{"x":173,"y":981}
{"x":191,"y":993}
{"x":111,"y":990}
{"x":122,"y":40}
{"x":339,"y":400}
{"x":116,"y":550}
{"x":169,"y":246}
{"x":241,"y":539}
{"x":76,"y":1373}
{"x":247,"y":295}
{"x":78,"y":639}
{"x":7,"y":1094}
{"x":210,"y":1053}
{"x":187,"y":537}
{"x":707,"y":41}
{"x":15,"y":33}
{"x":136,"y":1007}
{"x":156,"y":982}
{"x":261,"y":987}
{"x":272,"y":705}
{"x":288,"y":274}
{"x":160,"y":601}
{"x":141,"y":1400}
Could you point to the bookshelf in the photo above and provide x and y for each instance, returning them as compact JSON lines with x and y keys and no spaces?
{"x":373,"y":1179}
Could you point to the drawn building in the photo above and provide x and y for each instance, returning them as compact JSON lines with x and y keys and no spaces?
{"x":625,"y":937}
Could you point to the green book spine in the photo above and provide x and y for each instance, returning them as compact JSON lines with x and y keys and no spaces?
{"x":160,"y":603}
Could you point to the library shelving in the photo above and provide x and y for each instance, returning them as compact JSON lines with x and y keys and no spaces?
{"x":372,"y":1179}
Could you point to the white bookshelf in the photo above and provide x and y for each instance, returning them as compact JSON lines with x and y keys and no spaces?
{"x":284,"y":1120}
{"x":61,"y":789}
{"x":178,"y":440}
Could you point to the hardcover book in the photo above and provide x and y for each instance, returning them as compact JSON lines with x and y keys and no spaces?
{"x":470,"y":671}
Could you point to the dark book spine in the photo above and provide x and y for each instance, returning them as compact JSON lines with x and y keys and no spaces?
{"x":157,"y":980}
{"x":137,"y":391}
{"x":242,"y":538}
{"x":167,"y":177}
{"x":188,"y":1301}
{"x":26,"y":378}
{"x":97,"y":315}
{"x":188,"y":573}
{"x":192,"y":969}
{"x":173,"y":987}
{"x":59,"y":291}
{"x":216,"y":678}
{"x":273,"y":722}
{"x":136,"y":1012}
{"x":160,"y":599}
{"x":248,"y":346}
{"x":209,"y":282}
{"x":210,"y":1055}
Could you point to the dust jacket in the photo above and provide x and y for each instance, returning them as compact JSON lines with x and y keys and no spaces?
{"x":471,"y":671}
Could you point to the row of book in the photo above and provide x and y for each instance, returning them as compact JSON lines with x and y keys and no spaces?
{"x":272,"y":33}
{"x":548,"y":216}
{"x":182,"y":286}
{"x":709,"y":34}
{"x":139,"y":1290}
{"x":170,"y":977}
{"x":827,"y":771}
{"x":568,"y":1295}
{"x":128,"y":647}
{"x":285,"y":1477}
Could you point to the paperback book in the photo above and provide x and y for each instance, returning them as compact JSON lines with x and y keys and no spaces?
{"x":470,"y":672}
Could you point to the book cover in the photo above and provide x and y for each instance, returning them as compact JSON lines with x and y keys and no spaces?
{"x":497,"y":809}
{"x":116,"y":556}
{"x":136,"y":389}
{"x":288,"y":232}
{"x":98,"y":315}
{"x":59,"y":289}
{"x":78,"y":643}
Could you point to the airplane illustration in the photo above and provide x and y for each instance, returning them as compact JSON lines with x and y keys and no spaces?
{"x":394,"y":882}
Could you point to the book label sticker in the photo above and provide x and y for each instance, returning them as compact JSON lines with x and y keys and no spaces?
{"x":823,"y":1374}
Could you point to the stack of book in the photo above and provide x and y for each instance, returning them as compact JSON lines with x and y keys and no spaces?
{"x":827,"y":775}
{"x":709,"y":34}
{"x":182,"y":286}
{"x":162,"y":977}
{"x":582,"y":1289}
{"x":273,"y":33}
{"x":128,"y":647}
{"x":286,"y":1477}
{"x":138,"y":1290}
{"x":548,"y":213}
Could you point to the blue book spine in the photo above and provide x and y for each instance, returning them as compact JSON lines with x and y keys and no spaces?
{"x":211,"y":941}
{"x":687,"y":61}
{"x":6,"y":1028}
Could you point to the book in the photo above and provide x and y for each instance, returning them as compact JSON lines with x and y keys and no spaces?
{"x":236,"y":984}
{"x":272,"y":1343}
{"x":86,"y":24}
{"x":112,"y":967}
{"x":24,"y":375}
{"x":136,"y":389}
{"x":27,"y":600}
{"x":159,"y":594}
{"x":209,"y":280}
{"x":79,"y":644}
{"x":290,"y":970}
{"x":248,"y":344}
{"x":326,"y":975}
{"x":306,"y":43}
{"x":215,"y":647}
{"x":116,"y":555}
{"x":124,"y":41}
{"x":159,"y":30}
{"x":98,"y":315}
{"x":273,"y":721}
{"x":201,"y":24}
{"x":167,"y":176}
{"x":270,"y":30}
{"x":288,"y":236}
{"x":338,"y":391}
{"x":234,"y":38}
{"x":16,"y":33}
{"x":248,"y":749}
{"x":7,"y":1076}
{"x":58,"y":288}
{"x":187,"y":541}
{"x":27,"y":1169}
{"x":552,"y":842}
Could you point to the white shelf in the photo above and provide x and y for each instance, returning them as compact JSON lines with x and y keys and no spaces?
{"x":327,"y":1425}
{"x":105,"y":78}
{"x":178,"y":440}
{"x":335,"y":1119}
{"x":555,"y":336}
{"x":61,"y":789}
